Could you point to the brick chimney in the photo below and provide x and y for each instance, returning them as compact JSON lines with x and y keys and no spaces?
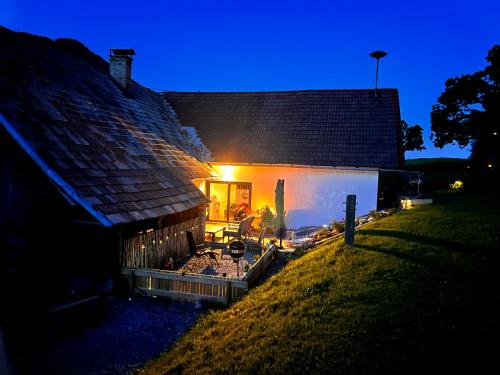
{"x":120,"y":66}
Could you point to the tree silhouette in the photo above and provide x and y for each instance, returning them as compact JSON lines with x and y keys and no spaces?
{"x":468,"y":113}
{"x":412,"y":137}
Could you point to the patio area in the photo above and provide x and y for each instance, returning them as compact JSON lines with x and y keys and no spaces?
{"x":214,"y":230}
{"x":224,"y":265}
{"x":213,"y":275}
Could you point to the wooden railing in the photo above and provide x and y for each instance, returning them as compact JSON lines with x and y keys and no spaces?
{"x":185,"y":285}
{"x":190,"y":286}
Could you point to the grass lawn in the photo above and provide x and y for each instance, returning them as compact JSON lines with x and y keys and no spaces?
{"x":418,"y":292}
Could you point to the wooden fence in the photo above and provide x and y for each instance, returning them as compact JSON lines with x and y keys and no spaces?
{"x":151,"y":248}
{"x":174,"y":284}
{"x":261,"y":265}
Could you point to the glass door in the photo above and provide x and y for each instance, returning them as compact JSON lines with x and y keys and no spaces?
{"x":219,"y":198}
{"x":226,"y":198}
{"x":239,"y":194}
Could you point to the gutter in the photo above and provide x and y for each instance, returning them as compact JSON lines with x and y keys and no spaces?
{"x":52,"y":174}
{"x":340,"y":168}
{"x":343,"y":168}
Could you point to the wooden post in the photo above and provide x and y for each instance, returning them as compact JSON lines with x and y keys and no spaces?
{"x":228,"y":291}
{"x":350,"y":214}
{"x":132,"y":283}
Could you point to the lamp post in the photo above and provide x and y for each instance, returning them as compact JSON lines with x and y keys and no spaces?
{"x":377,"y":55}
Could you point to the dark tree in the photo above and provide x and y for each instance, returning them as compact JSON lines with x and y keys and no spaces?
{"x":468,"y":113}
{"x":412,"y":137}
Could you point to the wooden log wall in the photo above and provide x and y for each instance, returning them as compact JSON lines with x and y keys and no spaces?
{"x":151,"y":248}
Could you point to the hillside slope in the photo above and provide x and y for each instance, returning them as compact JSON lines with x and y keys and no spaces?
{"x":416,"y":293}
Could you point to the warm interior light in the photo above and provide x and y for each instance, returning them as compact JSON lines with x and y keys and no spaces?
{"x":490,"y":166}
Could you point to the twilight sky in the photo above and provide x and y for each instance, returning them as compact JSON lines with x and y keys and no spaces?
{"x":281,"y":45}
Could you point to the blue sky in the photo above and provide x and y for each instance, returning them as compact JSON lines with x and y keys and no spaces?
{"x":281,"y":45}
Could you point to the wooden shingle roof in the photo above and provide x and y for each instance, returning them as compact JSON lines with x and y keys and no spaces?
{"x":119,"y":154}
{"x":351,"y":128}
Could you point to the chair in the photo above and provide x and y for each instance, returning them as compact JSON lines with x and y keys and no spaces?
{"x":258,"y":245}
{"x":240,"y":231}
{"x":197,"y":250}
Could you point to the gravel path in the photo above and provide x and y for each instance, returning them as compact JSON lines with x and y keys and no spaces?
{"x":125,"y":336}
{"x":131,"y":332}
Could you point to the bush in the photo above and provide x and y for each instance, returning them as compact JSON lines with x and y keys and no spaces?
{"x":377,"y":215}
{"x":338,"y":227}
{"x":392,"y":211}
{"x":321,"y":234}
{"x":456,"y":186}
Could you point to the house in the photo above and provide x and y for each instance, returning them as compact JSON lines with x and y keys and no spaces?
{"x":96,"y":171}
{"x":325,"y":144}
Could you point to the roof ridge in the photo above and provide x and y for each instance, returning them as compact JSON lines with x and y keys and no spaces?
{"x":275,"y":91}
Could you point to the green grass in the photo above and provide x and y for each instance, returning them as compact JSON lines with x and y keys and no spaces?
{"x":417,"y":293}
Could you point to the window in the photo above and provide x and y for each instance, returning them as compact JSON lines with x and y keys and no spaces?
{"x":226,"y":198}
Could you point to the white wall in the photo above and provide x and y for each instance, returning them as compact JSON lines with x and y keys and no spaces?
{"x":313,"y":196}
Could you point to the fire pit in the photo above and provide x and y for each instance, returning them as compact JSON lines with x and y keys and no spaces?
{"x":237,"y":250}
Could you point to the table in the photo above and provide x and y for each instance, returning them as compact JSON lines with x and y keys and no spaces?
{"x":213,"y":230}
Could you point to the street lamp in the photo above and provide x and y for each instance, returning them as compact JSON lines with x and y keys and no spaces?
{"x":377,"y":55}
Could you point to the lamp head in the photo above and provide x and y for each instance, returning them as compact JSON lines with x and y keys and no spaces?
{"x":378,"y":54}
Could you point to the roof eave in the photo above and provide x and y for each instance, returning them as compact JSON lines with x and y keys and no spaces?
{"x":337,"y":167}
{"x":52,"y":174}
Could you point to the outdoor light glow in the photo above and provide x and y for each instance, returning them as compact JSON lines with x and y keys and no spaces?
{"x":227,"y":172}
{"x":201,"y":185}
{"x":457,"y":185}
{"x":490,"y":166}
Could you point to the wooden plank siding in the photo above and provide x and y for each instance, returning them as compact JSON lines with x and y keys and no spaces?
{"x":150,"y":248}
{"x":185,"y":286}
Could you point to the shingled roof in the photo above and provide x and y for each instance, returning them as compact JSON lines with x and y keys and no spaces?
{"x":121,"y":155}
{"x":352,"y":128}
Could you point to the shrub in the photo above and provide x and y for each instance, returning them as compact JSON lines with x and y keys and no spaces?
{"x":456,"y":186}
{"x":376,"y":215}
{"x":392,"y":211}
{"x":321,"y":234}
{"x":338,"y":227}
